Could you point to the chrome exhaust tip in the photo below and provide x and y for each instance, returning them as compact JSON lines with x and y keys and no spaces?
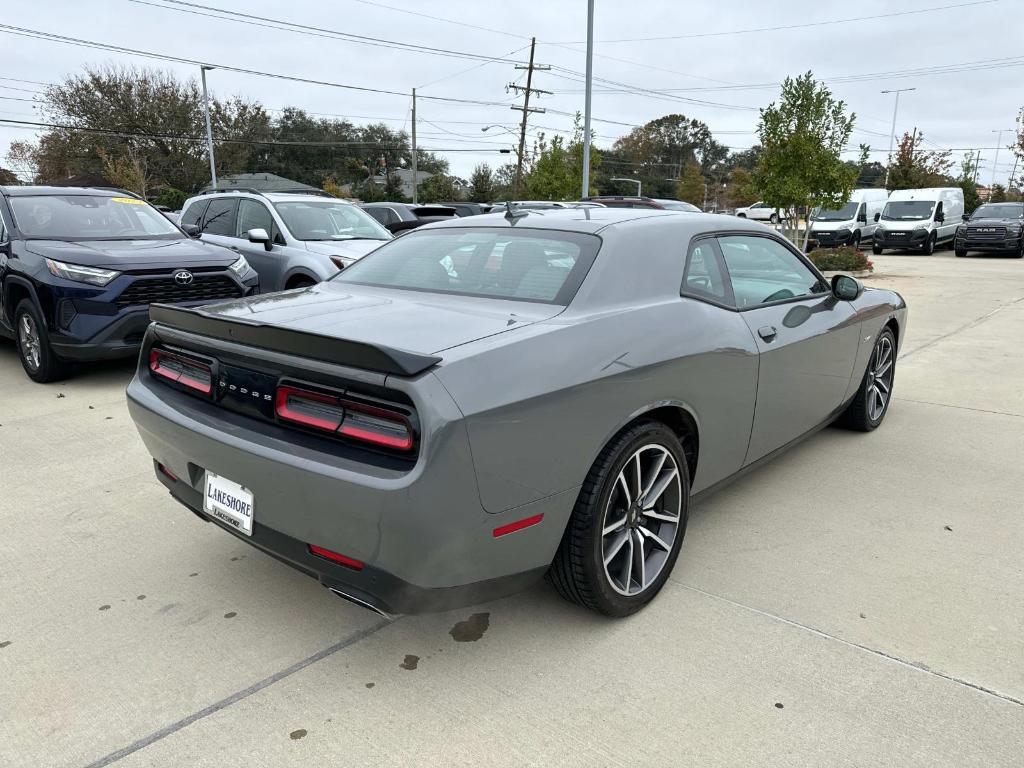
{"x":362,"y":603}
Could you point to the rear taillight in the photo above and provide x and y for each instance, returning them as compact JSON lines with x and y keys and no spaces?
{"x":190,"y":373}
{"x":337,"y":557}
{"x":338,"y":415}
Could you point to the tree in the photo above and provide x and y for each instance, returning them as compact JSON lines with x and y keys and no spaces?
{"x":556,"y":172}
{"x":968,"y":172}
{"x":914,"y":168}
{"x":127,"y":169}
{"x":998,"y":194}
{"x":801,"y":138}
{"x":740,"y":189}
{"x":691,"y":186}
{"x":658,"y":151}
{"x":481,"y":184}
{"x":8,"y":178}
{"x":439,"y":187}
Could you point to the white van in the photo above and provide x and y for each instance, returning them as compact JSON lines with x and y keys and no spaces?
{"x":852,"y":224}
{"x":919,"y":219}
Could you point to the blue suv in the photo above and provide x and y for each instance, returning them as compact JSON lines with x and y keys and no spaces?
{"x":79,"y":268}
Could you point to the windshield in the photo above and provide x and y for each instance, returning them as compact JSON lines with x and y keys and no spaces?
{"x":846,"y":213}
{"x":908,"y":210}
{"x":999,"y":211}
{"x":521,"y":265}
{"x":90,"y":217}
{"x":313,"y":220}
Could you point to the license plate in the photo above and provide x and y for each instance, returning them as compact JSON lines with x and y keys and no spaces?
{"x":229,"y":502}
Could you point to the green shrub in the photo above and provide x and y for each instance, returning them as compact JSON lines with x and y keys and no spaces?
{"x":842,"y":259}
{"x":172,"y":198}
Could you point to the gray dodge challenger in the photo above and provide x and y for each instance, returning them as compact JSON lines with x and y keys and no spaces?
{"x":488,"y":400}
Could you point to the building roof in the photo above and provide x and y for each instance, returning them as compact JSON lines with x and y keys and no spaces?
{"x":263,"y":182}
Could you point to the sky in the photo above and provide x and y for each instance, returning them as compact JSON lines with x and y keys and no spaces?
{"x":703,"y":61}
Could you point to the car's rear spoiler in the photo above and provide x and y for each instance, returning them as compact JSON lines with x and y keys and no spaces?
{"x":356,"y":354}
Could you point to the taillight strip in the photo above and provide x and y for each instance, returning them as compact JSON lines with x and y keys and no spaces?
{"x":161,"y":363}
{"x":336,"y":557}
{"x":340,"y":416}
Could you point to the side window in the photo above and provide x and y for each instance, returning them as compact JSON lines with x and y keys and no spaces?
{"x":762,"y":270}
{"x":380,"y":214}
{"x":220,"y":217}
{"x":253,"y":215}
{"x":194,"y":213}
{"x":703,"y":277}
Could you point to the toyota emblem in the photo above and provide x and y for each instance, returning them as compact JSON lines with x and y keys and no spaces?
{"x":183,"y":277}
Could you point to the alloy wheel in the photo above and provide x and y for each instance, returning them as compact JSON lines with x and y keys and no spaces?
{"x":28,"y":338}
{"x":880,"y":378}
{"x":641,"y":520}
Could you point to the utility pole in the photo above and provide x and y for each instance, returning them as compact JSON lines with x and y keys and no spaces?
{"x":209,"y":129}
{"x":586,"y":107}
{"x":1013,"y":173}
{"x":999,"y":140}
{"x":892,"y":133}
{"x":526,"y":110}
{"x":415,"y":175}
{"x":977,"y":165}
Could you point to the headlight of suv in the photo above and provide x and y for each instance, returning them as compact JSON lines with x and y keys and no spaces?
{"x":343,"y":261}
{"x":80,"y":274}
{"x":240,"y":267}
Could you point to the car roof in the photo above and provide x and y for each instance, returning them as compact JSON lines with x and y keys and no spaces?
{"x":591,"y":220}
{"x":27,"y":191}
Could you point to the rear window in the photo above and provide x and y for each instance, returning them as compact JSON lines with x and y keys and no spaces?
{"x":90,"y":217}
{"x":520,"y":264}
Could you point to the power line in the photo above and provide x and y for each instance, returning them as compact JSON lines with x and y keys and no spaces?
{"x":786,"y":27}
{"x":82,"y":43}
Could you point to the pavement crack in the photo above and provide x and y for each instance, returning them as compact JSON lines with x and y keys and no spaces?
{"x":960,"y":407}
{"x":234,"y":698}
{"x":965,"y":327}
{"x":850,"y":644}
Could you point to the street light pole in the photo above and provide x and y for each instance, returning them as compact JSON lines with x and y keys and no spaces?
{"x":586,"y":107}
{"x":892,"y":133}
{"x":209,"y":129}
{"x":999,"y":140}
{"x":415,"y":175}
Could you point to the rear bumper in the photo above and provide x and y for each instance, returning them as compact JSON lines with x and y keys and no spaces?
{"x":370,"y":587}
{"x":422,"y":533}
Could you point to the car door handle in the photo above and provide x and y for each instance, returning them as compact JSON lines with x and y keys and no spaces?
{"x":767,"y":332}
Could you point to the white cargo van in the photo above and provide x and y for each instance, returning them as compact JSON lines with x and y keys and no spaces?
{"x":852,"y":224}
{"x":919,"y":219}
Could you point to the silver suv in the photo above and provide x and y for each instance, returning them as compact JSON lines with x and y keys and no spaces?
{"x":291,"y":240}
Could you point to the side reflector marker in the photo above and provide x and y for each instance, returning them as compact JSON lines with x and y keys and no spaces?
{"x":518,"y":525}
{"x":335,"y":557}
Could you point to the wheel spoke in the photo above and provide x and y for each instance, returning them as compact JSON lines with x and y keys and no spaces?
{"x":659,"y":487}
{"x":625,"y":487}
{"x":614,"y":526}
{"x":627,"y":575}
{"x":656,"y":515}
{"x":655,"y":538}
{"x":883,"y":388}
{"x":639,"y":473}
{"x":616,"y":548}
{"x":881,"y":369}
{"x":653,"y":475}
{"x":639,"y":561}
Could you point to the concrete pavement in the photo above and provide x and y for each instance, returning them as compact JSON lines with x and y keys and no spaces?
{"x":855,"y":602}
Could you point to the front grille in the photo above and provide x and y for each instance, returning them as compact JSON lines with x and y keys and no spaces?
{"x":986,"y":233}
{"x":896,"y":235}
{"x":166,"y":291}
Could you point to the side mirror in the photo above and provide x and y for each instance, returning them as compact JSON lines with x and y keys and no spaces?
{"x":192,"y":230}
{"x":940,"y":216}
{"x":259,"y":235}
{"x":965,"y":217}
{"x":862,"y":217}
{"x":878,"y":216}
{"x":846,"y":288}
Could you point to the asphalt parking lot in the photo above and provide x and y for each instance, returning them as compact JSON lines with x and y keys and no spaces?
{"x":856,"y":602}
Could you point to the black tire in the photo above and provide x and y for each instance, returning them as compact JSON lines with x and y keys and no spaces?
{"x":578,"y":572}
{"x":741,"y":215}
{"x":856,"y":241}
{"x":959,"y":252}
{"x":773,"y":219}
{"x":300,"y":282}
{"x":876,"y":249}
{"x":42,"y":365}
{"x":929,"y":246}
{"x":858,"y":415}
